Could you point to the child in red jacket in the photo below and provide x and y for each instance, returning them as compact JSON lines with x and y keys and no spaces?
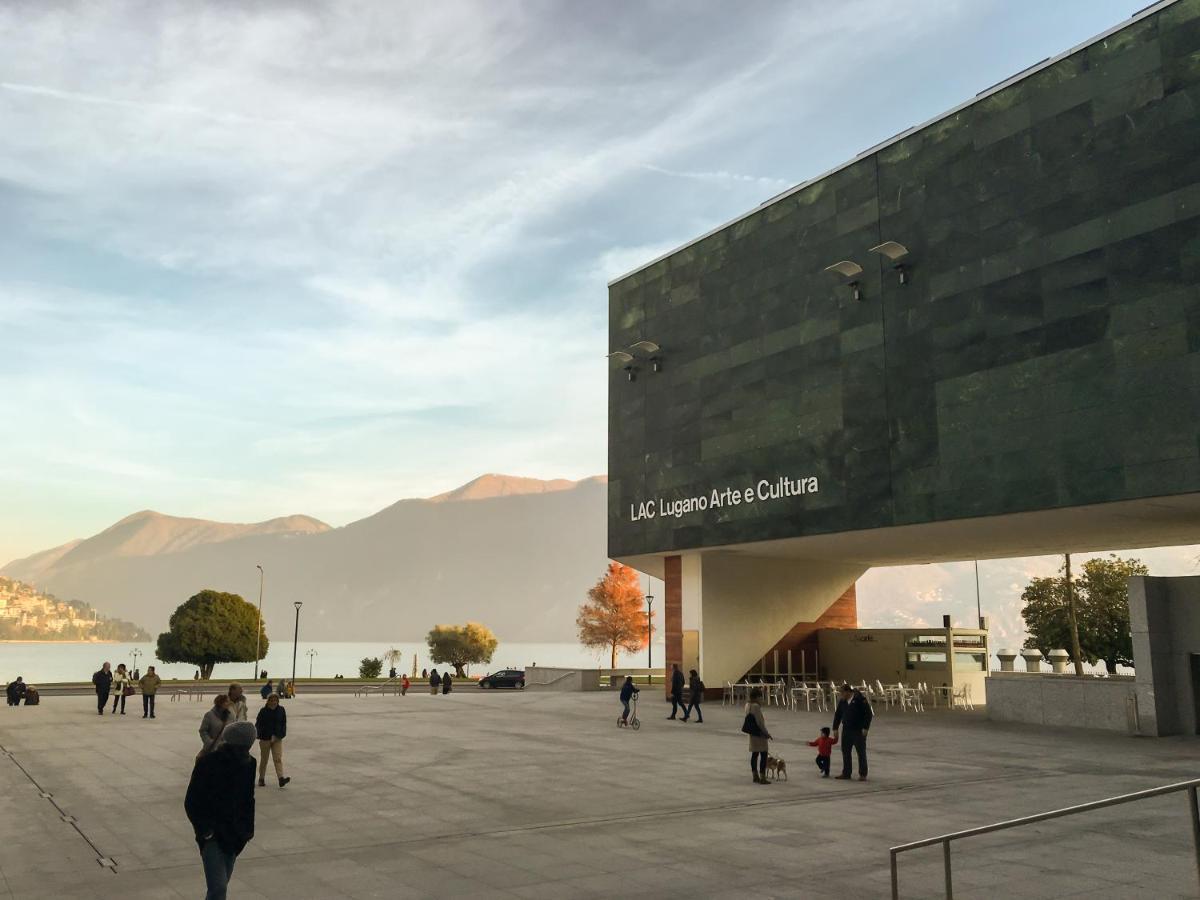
{"x":824,"y":745}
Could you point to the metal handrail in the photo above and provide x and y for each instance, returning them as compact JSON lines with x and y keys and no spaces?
{"x":363,"y":689}
{"x":945,"y":839}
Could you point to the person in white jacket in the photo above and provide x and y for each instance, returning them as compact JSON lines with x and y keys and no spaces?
{"x":120,"y":681}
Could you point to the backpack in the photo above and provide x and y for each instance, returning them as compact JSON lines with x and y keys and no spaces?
{"x":750,"y":726}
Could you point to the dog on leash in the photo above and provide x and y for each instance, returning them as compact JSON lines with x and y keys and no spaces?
{"x":776,"y":769}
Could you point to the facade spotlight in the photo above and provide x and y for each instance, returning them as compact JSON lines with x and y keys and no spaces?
{"x":897,"y":253}
{"x":647,"y":347}
{"x":849,"y":270}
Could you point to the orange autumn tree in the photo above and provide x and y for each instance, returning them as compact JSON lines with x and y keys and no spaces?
{"x":614,"y":616}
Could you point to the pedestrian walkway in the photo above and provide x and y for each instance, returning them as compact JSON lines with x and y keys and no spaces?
{"x":504,"y":794}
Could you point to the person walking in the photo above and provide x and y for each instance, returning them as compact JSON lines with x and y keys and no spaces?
{"x":137,"y":674}
{"x":695,"y":697}
{"x":855,"y":714}
{"x":676,"y":689}
{"x":102,"y":680}
{"x":404,"y":685}
{"x":120,"y":681}
{"x":629,"y":690}
{"x":220,"y":805}
{"x":149,"y":684}
{"x":446,"y":683}
{"x":271,"y":728}
{"x":214,"y":723}
{"x":755,"y":725}
{"x":237,"y":704}
{"x":435,"y":682}
{"x":267,"y":689}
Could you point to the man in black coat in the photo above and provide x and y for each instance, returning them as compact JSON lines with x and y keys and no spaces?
{"x":855,"y":713}
{"x":676,"y":689}
{"x":103,"y":683}
{"x":220,"y":805}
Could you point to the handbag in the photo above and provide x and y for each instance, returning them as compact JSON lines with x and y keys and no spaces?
{"x":127,"y":691}
{"x":750,"y":726}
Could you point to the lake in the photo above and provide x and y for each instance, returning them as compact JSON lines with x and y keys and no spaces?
{"x":48,"y":662}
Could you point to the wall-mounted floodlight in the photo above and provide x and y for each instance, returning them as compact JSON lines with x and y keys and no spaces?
{"x":896,"y":253}
{"x":849,"y":270}
{"x":626,"y":361}
{"x":651,"y":351}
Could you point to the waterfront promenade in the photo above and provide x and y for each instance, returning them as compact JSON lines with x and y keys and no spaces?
{"x":504,"y":794}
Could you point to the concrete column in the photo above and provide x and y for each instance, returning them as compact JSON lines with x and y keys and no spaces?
{"x":1006,"y":657}
{"x":672,"y":619}
{"x":1033,"y":659}
{"x":1059,"y":659}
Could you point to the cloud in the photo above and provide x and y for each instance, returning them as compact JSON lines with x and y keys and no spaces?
{"x":301,"y":256}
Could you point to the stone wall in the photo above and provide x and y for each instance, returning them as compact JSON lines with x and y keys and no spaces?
{"x":1060,"y":701}
{"x":545,"y":678}
{"x":1044,"y":352}
{"x":1164,"y":615}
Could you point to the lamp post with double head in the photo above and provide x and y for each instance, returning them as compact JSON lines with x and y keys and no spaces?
{"x":296,"y":638}
{"x":649,"y":638}
{"x":258,"y":633}
{"x":135,"y":654}
{"x":310,"y":654}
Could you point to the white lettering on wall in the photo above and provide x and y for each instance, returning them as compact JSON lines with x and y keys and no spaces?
{"x":764,"y":491}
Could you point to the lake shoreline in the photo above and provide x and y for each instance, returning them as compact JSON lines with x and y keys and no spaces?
{"x":97,"y":643}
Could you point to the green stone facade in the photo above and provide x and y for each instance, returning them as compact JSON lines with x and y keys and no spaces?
{"x":1044,"y":353}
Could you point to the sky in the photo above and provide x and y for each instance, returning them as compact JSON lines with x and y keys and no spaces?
{"x":262,"y":259}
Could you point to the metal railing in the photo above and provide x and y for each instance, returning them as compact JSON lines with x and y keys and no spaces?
{"x":392,"y":684}
{"x":945,"y":839}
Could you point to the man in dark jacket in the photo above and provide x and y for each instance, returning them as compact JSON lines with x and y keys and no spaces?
{"x":629,"y":690}
{"x":16,"y":692}
{"x":220,"y":805}
{"x":103,"y":683}
{"x":695,"y":697}
{"x":676,"y":690}
{"x":855,"y":713}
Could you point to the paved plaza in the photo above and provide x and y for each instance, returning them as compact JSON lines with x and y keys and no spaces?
{"x":503,"y":795}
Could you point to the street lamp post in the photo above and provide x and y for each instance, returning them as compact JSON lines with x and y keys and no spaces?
{"x":649,"y":638}
{"x":258,"y":633}
{"x":296,"y":639}
{"x":136,"y":653}
{"x":310,"y":653}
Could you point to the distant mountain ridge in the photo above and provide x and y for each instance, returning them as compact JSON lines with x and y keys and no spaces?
{"x":517,"y":553}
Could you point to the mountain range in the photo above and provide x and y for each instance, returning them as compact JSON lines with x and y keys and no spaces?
{"x":516,"y":553}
